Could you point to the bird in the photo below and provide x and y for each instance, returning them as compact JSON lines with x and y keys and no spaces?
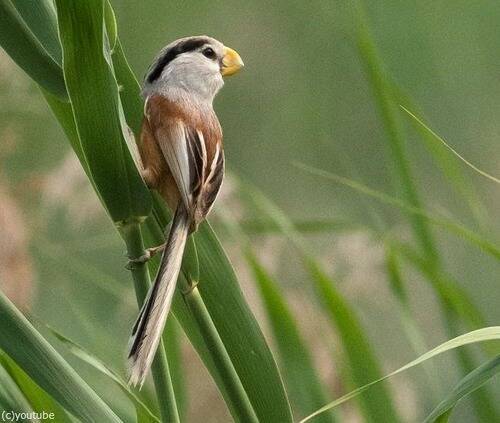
{"x":183,"y":160}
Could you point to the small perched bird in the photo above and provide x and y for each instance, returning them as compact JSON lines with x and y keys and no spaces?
{"x":182,"y":156}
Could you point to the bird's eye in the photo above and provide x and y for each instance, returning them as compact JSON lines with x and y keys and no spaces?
{"x":208,"y":52}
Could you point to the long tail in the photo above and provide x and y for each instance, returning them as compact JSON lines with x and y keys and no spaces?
{"x":148,"y":328}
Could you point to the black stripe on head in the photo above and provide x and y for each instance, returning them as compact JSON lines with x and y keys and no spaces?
{"x":185,"y":46}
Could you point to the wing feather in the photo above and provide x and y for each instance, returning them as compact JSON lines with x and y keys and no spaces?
{"x":172,"y":141}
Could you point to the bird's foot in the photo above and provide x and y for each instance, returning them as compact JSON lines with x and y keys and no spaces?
{"x":148,"y":254}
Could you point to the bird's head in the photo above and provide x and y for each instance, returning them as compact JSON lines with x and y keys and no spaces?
{"x":194,"y":65}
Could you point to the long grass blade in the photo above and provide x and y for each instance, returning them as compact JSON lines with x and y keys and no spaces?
{"x":470,"y":383}
{"x":448,"y":224}
{"x":480,"y":335}
{"x":450,"y":168}
{"x":436,"y":137}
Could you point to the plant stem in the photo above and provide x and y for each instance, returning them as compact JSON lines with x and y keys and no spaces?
{"x":242,"y":407}
{"x":159,"y":369}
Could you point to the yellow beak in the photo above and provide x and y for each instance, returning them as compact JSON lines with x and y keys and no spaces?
{"x":231,"y":62}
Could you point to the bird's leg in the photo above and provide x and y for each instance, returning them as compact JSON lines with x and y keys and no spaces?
{"x":149,"y":253}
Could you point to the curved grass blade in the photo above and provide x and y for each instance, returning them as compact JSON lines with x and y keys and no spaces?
{"x":303,"y":383}
{"x":451,"y":168}
{"x":448,"y":224}
{"x":30,"y":351}
{"x":77,"y":350}
{"x":480,"y":335}
{"x":455,"y":301}
{"x":473,"y":381}
{"x":27,"y":51}
{"x":449,"y":147}
{"x":93,"y":92}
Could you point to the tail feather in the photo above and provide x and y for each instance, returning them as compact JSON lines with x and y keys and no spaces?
{"x":148,"y":328}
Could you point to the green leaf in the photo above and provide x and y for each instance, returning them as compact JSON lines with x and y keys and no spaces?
{"x":303,"y":383}
{"x":20,"y":42}
{"x":130,"y":91}
{"x":482,"y":400}
{"x":39,"y":400}
{"x":82,"y":354}
{"x":23,"y":344}
{"x":93,"y":92}
{"x":473,"y":381}
{"x":64,"y":114}
{"x":11,"y":396}
{"x":480,"y":335}
{"x":40,"y":17}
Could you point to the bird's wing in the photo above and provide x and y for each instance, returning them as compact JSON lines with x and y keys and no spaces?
{"x":213,"y":181}
{"x":185,"y":153}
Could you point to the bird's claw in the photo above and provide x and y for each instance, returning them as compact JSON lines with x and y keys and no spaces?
{"x":148,"y":254}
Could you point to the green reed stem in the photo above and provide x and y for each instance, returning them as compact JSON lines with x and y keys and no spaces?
{"x":242,"y":407}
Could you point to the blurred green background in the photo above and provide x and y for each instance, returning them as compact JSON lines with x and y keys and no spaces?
{"x":303,"y":96}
